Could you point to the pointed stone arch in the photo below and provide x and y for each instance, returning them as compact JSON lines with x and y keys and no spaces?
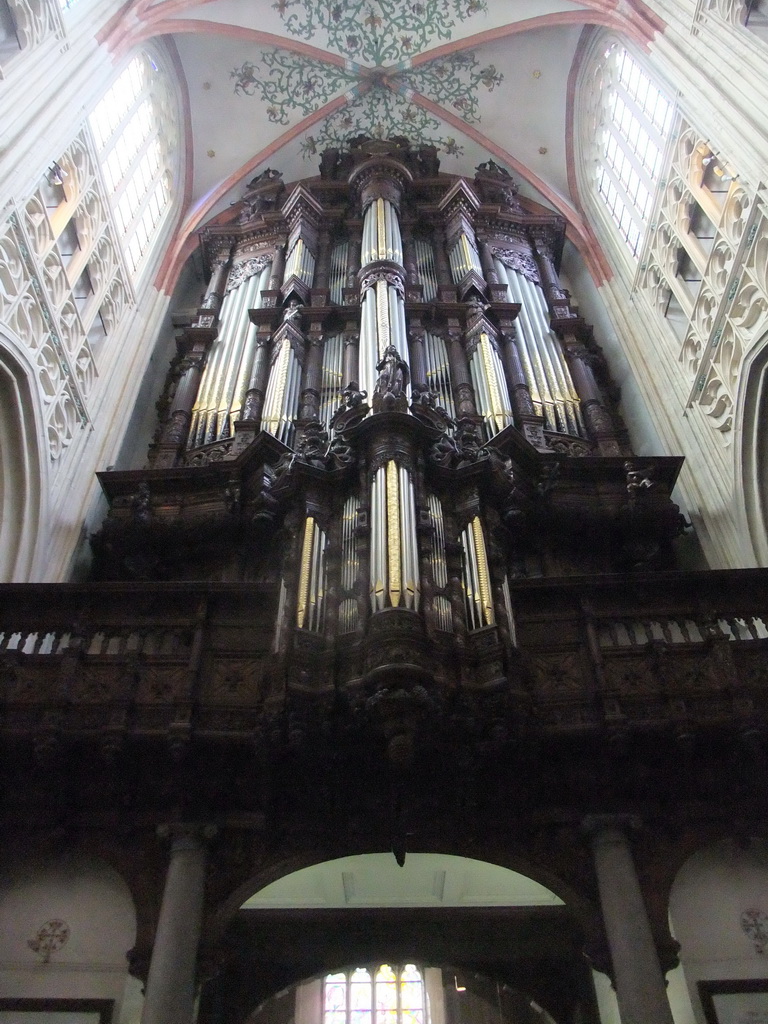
{"x":22,"y":467}
{"x":752,"y":464}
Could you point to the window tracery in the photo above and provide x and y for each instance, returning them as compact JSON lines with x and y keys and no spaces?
{"x":26,"y":25}
{"x":375,"y":995}
{"x":136,"y":138}
{"x":64,"y":284}
{"x":751,"y":15}
{"x":706,"y":221}
{"x":632,"y":117}
{"x":699,"y":264}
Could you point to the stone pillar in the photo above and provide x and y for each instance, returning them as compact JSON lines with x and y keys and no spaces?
{"x":557,"y":298}
{"x":351,"y":356}
{"x":412,"y":282}
{"x":320,"y":289}
{"x":214,"y":293}
{"x":170,"y":991}
{"x":461,"y":381}
{"x":278,"y":269}
{"x":596,"y":417}
{"x":527,"y":421}
{"x":639,"y":982}
{"x":446,"y":289}
{"x":417,"y":358}
{"x":309,"y":407}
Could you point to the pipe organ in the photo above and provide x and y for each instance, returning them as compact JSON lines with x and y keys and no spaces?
{"x":379,"y":387}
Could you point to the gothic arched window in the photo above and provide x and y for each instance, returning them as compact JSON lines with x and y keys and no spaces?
{"x":136,"y":138}
{"x":375,"y":995}
{"x":632,"y":123}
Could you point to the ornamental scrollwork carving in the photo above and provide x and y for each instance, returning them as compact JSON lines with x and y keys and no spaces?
{"x":241,"y":272}
{"x":462,"y":448}
{"x":392,"y":277}
{"x":352,"y":410}
{"x":521,"y":262}
{"x":313,"y":445}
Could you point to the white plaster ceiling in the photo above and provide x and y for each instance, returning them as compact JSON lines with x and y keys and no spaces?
{"x":425,"y":880}
{"x":490,"y":71}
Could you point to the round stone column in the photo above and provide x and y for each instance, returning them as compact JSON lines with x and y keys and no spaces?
{"x":639,"y":982}
{"x":170,"y":991}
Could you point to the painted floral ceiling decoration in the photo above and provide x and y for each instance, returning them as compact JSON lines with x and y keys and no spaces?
{"x":289,"y":83}
{"x":378,"y":32}
{"x":381,"y":114}
{"x":454,"y":81}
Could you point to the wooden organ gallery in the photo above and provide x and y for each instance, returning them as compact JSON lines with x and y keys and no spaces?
{"x":391,"y":580}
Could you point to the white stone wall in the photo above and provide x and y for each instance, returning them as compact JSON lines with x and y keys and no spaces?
{"x":711,"y":894}
{"x":693,"y":375}
{"x":83,"y":384}
{"x":87,"y":902}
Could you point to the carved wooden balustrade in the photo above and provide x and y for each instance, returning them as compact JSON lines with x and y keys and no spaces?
{"x":674,"y":653}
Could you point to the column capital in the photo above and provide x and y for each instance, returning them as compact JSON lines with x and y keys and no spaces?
{"x":608,"y":827}
{"x":186,"y":835}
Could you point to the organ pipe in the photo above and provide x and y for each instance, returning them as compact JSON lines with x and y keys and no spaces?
{"x":224,"y":381}
{"x":332,"y":377}
{"x":383,"y":313}
{"x":464,"y":257}
{"x":394,"y":550}
{"x":549,"y":378}
{"x":281,"y":402}
{"x":338,"y":278}
{"x":425,"y":265}
{"x":438,"y":371}
{"x":491,"y":394}
{"x":441,"y":604}
{"x":312,"y":582}
{"x":476,"y":577}
{"x":300,"y":263}
{"x":349,"y":617}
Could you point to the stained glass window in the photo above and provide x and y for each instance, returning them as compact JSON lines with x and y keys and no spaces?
{"x":375,"y":995}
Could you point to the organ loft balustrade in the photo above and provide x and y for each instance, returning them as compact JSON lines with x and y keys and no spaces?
{"x":675,"y":662}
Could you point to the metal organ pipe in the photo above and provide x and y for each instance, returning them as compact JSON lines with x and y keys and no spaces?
{"x":476,"y":577}
{"x":239,"y":364}
{"x":332,"y":377}
{"x":383,"y":312}
{"x":224,"y":380}
{"x":348,"y":610}
{"x":464,"y":257}
{"x":529,"y":351}
{"x":543,"y":360}
{"x":491,"y":394}
{"x":338,"y":280}
{"x":560,"y":365}
{"x":281,"y":403}
{"x":441,"y":604}
{"x":300,"y":263}
{"x":310,"y":605}
{"x":425,"y":265}
{"x":395,"y":578}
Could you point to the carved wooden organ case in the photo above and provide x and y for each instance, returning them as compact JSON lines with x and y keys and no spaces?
{"x":386,"y":411}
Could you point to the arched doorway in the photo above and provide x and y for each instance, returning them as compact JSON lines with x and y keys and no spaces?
{"x":466,"y":919}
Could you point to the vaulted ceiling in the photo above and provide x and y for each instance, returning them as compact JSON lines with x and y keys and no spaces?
{"x":274,"y":82}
